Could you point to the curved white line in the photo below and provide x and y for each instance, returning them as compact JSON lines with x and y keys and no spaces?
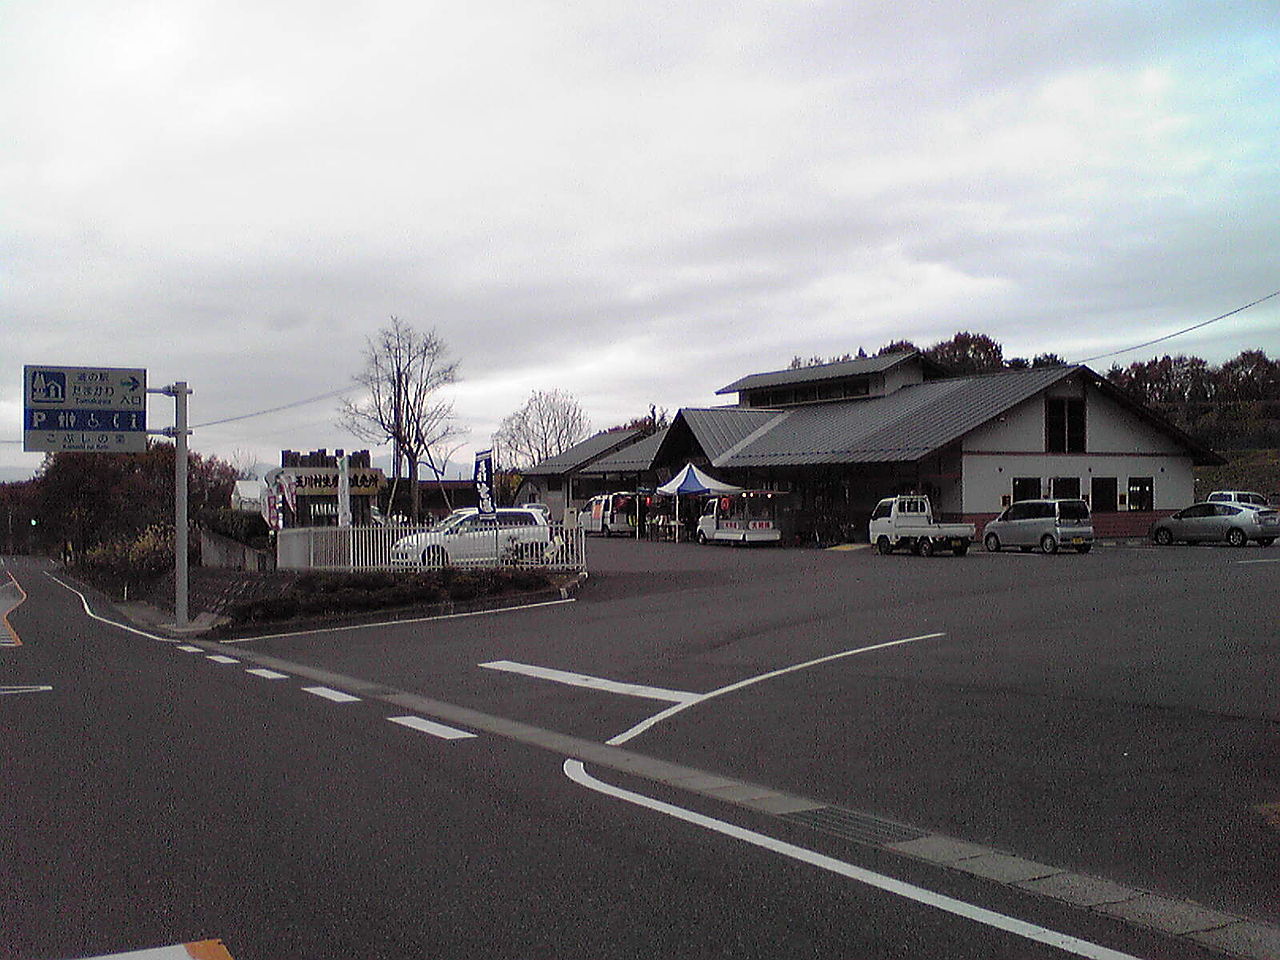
{"x":644,"y":725}
{"x":84,"y":602}
{"x":575,"y":771}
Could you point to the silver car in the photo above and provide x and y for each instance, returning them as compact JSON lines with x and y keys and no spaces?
{"x":1047,"y":524}
{"x":513,"y":535}
{"x":1232,"y":523}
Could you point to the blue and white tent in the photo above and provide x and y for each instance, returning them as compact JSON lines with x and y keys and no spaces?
{"x":692,"y":480}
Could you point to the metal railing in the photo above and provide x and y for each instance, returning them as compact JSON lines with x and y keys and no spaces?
{"x":556,"y":547}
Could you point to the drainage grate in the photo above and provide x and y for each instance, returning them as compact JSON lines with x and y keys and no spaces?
{"x":851,"y":825}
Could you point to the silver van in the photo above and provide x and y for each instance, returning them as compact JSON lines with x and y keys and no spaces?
{"x":1047,"y":524}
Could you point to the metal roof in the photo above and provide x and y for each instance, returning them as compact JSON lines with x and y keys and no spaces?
{"x":906,"y":425}
{"x":825,"y":371}
{"x":579,"y":455}
{"x":636,"y":458}
{"x":719,"y":429}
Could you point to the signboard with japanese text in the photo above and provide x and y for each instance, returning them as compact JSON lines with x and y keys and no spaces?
{"x":484,"y":483}
{"x":84,"y":410}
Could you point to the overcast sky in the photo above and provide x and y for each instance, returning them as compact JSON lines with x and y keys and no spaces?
{"x":634,"y":202}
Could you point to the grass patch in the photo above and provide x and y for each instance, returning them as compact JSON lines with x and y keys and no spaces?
{"x":1256,"y":470}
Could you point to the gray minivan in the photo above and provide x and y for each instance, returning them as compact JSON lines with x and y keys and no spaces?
{"x":1046,"y":524}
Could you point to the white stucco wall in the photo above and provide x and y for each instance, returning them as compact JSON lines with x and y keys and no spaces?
{"x":1117,"y":444}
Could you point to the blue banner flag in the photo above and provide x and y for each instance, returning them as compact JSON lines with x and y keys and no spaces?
{"x":484,"y":482}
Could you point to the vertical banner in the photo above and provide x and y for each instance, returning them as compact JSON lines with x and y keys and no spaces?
{"x":344,"y":491}
{"x":484,"y":482}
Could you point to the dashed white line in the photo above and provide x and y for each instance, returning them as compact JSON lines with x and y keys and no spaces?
{"x":594,"y":683}
{"x":219,"y":658}
{"x":268,"y":674}
{"x":187,"y":648}
{"x":431,"y":727}
{"x":337,"y":696}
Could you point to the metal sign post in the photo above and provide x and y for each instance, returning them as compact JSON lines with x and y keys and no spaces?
{"x":179,"y":432}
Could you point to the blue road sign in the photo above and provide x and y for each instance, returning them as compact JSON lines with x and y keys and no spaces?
{"x":84,"y":409}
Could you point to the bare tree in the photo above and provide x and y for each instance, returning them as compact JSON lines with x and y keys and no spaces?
{"x":405,"y":371}
{"x":547,"y":425}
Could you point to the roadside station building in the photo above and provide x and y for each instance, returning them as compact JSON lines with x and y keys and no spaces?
{"x":841,"y":436}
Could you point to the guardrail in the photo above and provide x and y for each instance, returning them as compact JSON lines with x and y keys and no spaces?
{"x":370,"y":548}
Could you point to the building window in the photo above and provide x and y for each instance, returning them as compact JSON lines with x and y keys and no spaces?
{"x":1142,"y":493}
{"x":1064,"y":425}
{"x":1026,"y":488}
{"x":1065,"y":488}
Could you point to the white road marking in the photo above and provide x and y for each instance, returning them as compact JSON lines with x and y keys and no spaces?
{"x":396,"y":623}
{"x":1258,"y":561}
{"x":644,"y":725}
{"x":219,"y":658}
{"x":594,"y":683}
{"x":27,"y":689}
{"x":431,"y":727}
{"x":575,"y":771}
{"x":187,"y":648}
{"x":337,"y":696}
{"x":85,"y":603}
{"x":268,"y":674}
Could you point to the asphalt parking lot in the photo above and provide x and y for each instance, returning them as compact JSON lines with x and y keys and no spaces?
{"x":1113,"y":713}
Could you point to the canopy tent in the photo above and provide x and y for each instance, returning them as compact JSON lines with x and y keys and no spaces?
{"x":692,"y":480}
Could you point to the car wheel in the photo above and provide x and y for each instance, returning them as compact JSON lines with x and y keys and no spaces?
{"x":702,"y":538}
{"x":992,"y":543}
{"x":1048,"y":543}
{"x":1236,"y":537}
{"x":924,"y":547}
{"x":884,"y":547}
{"x":1267,"y":541}
{"x":1163,"y":536}
{"x":1084,"y":548}
{"x":435,"y":557}
{"x":605,"y":531}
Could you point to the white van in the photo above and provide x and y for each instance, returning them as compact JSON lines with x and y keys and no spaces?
{"x":609,"y":513}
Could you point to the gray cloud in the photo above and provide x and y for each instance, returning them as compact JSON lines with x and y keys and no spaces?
{"x":636,"y":203}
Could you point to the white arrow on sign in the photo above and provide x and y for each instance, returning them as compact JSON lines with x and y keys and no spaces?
{"x":4,"y":690}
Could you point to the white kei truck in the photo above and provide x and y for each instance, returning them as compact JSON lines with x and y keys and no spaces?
{"x":906,"y":522}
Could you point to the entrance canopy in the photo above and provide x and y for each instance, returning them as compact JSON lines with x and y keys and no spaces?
{"x":692,"y":480}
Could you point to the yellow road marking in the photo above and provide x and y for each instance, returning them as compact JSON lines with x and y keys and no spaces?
{"x":12,"y":640}
{"x":208,"y":950}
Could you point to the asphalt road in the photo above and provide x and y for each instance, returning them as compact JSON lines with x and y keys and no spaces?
{"x":1109,"y":714}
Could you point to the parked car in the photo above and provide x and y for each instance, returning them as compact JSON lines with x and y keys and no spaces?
{"x":1233,"y":523}
{"x":514,"y":534}
{"x":1246,"y":498}
{"x":609,"y":513}
{"x":907,"y":521}
{"x":1047,"y":524}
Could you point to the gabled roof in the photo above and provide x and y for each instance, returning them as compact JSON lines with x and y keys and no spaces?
{"x":635,"y":458}
{"x":584,"y":453}
{"x":716,"y":429}
{"x":906,"y":425}
{"x":831,"y":371}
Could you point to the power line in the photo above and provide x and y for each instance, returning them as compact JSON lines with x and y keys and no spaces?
{"x":286,"y":406}
{"x":1170,"y":336}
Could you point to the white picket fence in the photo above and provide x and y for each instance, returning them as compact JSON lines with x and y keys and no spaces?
{"x":369,"y":548}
